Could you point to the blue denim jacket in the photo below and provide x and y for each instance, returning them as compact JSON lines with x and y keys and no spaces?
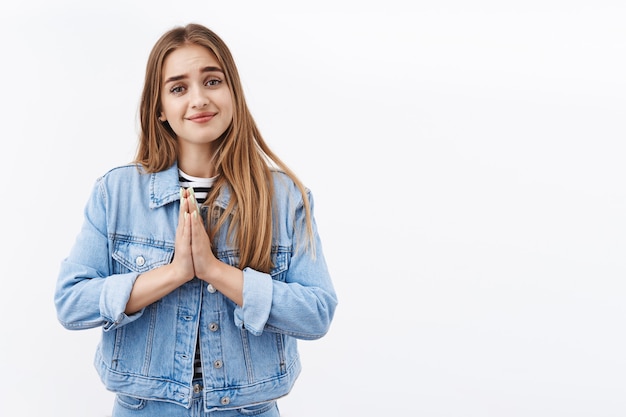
{"x":249,"y":354}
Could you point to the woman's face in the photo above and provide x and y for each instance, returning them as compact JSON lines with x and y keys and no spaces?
{"x":195,"y":100}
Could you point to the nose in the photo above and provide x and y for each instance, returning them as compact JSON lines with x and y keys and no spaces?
{"x":198,"y":97}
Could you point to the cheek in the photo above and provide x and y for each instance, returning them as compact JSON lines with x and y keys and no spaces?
{"x":228,"y":105}
{"x":168,"y":105}
{"x":222,"y":96}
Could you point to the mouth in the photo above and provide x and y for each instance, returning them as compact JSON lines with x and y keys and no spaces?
{"x":201,"y":117}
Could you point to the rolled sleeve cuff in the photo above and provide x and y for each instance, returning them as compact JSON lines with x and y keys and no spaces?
{"x":113,"y":299}
{"x":257,"y":301}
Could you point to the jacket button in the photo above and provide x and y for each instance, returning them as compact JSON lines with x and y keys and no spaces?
{"x":210,"y":288}
{"x":218,"y":364}
{"x":213,"y":327}
{"x":140,"y":261}
{"x":225,"y":401}
{"x":197,"y":388}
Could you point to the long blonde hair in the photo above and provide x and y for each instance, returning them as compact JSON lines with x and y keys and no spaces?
{"x":242,"y":163}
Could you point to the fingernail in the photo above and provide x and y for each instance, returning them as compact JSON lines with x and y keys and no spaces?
{"x":195,"y":214}
{"x":186,"y":215}
{"x":181,"y":192}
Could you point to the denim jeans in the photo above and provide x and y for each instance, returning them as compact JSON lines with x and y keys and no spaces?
{"x":126,"y":406}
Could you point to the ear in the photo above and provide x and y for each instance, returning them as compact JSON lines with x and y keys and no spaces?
{"x":162,"y":117}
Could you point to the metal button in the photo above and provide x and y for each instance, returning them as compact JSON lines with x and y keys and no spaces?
{"x":140,"y":261}
{"x":213,"y":327}
{"x":197,"y":388}
{"x":210,"y":288}
{"x":225,"y":401}
{"x":218,"y":364}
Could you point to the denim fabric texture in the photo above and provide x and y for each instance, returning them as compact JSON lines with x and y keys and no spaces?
{"x":126,"y":406}
{"x":249,"y":354}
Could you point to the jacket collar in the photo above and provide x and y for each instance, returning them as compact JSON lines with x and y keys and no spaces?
{"x":165,"y":188}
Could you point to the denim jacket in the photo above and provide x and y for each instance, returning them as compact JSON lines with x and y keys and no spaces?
{"x":249,"y":354}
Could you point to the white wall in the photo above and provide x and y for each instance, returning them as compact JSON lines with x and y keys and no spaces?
{"x":467,"y":162}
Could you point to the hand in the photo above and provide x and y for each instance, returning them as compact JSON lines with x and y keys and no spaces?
{"x":183,"y":259}
{"x":204,"y":261}
{"x":158,"y":282}
{"x":227,"y":279}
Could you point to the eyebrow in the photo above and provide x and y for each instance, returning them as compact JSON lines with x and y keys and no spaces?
{"x":182,"y":77}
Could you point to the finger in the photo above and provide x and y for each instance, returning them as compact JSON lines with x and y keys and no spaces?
{"x":184,"y":202}
{"x":183,"y":234}
{"x":197,"y":225}
{"x":193,"y":203}
{"x":192,"y":226}
{"x":184,"y":209}
{"x":200,"y":246}
{"x":186,"y":227}
{"x":183,"y":260}
{"x":182,"y":192}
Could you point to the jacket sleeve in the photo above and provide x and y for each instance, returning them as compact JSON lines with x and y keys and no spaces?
{"x":87,"y":295}
{"x":303,"y":304}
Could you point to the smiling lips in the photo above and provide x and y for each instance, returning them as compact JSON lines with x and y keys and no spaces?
{"x":201,"y":117}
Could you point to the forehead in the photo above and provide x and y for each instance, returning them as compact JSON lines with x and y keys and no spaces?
{"x":189,"y":59}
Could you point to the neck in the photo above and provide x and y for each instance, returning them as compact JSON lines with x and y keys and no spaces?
{"x":198,"y":161}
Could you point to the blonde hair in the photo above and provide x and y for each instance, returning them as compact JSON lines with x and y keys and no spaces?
{"x":243,"y":161}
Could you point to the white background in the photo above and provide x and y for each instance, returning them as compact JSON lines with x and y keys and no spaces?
{"x":467,"y":162}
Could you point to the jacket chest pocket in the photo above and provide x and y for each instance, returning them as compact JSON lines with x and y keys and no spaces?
{"x":131,"y":254}
{"x":281,"y":264}
{"x":280,"y":258}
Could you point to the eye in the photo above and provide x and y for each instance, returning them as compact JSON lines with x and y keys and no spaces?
{"x":177,"y":90}
{"x":213,"y":82}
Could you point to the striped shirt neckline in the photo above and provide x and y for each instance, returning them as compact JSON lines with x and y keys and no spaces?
{"x":201,"y":186}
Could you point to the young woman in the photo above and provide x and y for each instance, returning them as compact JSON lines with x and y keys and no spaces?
{"x":201,"y":261}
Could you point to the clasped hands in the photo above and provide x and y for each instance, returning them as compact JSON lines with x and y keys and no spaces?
{"x":193,"y":256}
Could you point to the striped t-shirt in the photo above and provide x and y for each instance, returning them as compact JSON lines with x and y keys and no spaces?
{"x":201,"y":188}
